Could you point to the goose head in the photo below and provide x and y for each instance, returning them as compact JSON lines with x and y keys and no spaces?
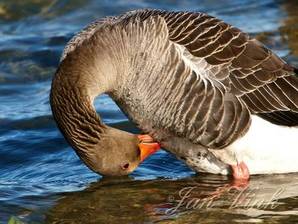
{"x":119,"y":153}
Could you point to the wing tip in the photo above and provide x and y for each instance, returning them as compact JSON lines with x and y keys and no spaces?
{"x":285,"y":118}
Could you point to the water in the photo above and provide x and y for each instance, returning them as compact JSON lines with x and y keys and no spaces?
{"x":41,"y":178}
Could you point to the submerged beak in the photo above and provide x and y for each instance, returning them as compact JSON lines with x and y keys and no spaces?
{"x":147,"y":146}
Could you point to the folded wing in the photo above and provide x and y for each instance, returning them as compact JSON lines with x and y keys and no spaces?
{"x":211,"y":77}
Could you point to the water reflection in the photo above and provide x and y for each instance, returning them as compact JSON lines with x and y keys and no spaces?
{"x":19,"y":9}
{"x":200,"y":199}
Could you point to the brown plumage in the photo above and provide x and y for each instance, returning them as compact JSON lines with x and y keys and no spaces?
{"x":188,"y":79}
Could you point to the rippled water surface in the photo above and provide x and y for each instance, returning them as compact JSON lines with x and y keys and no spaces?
{"x":41,"y":178}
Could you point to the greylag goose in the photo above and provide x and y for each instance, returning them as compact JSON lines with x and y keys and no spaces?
{"x":201,"y":88}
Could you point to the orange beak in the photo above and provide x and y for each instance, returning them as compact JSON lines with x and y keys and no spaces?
{"x":147,"y":149}
{"x":147,"y":146}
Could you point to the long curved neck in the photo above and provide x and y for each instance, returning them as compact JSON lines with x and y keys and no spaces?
{"x":75,"y":85}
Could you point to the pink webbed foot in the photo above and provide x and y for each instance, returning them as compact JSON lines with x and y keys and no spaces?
{"x":240,"y":174}
{"x":240,"y":171}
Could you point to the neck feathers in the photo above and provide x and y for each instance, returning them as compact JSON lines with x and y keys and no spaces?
{"x":85,"y":72}
{"x":73,"y":109}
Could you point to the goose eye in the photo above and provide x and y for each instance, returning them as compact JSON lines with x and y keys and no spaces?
{"x":125,"y":166}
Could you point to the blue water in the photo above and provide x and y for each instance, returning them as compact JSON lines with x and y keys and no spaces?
{"x":37,"y":167}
